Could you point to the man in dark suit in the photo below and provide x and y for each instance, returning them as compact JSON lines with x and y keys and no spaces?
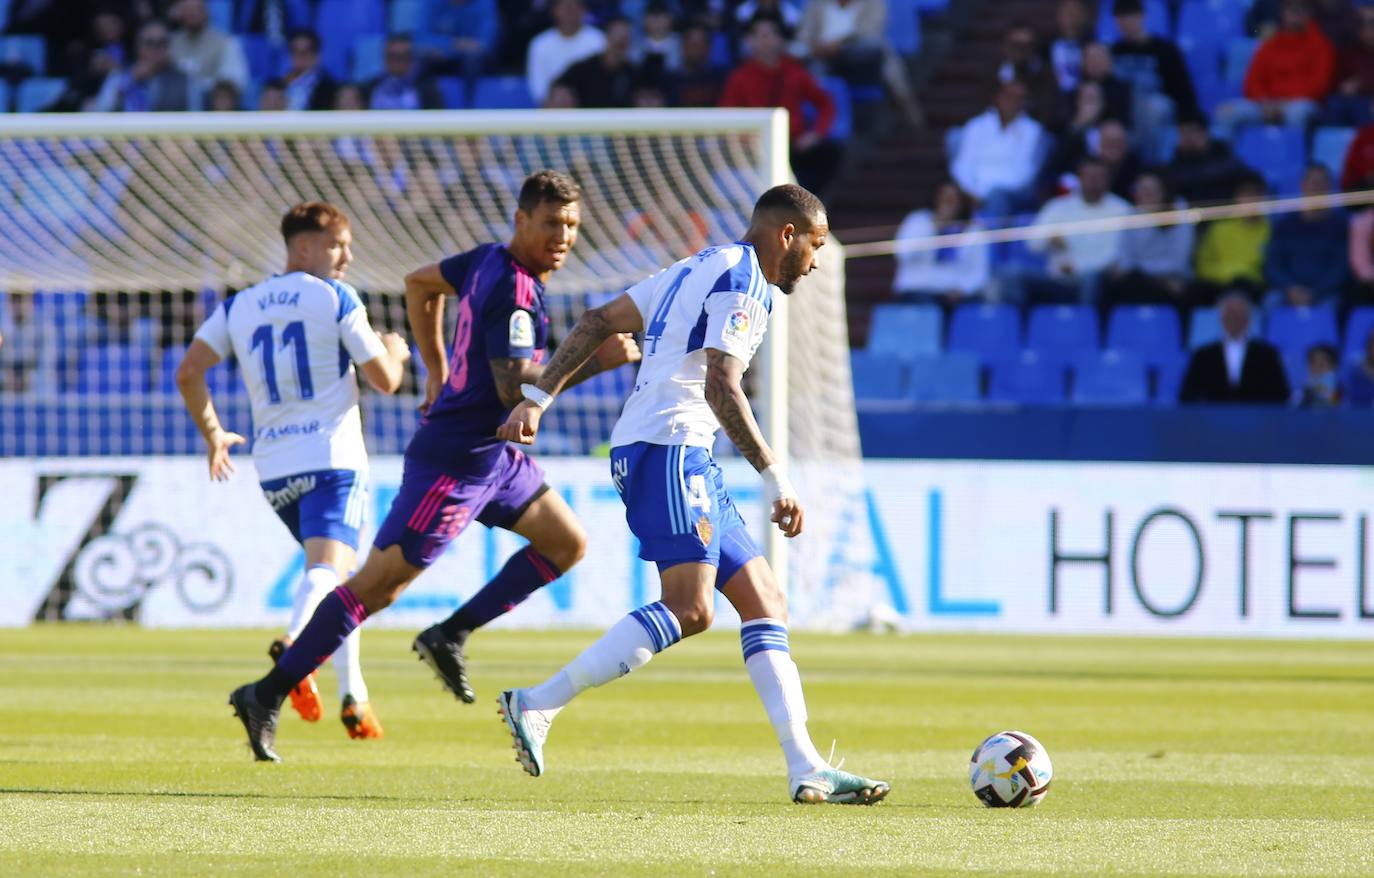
{"x":308,"y":86}
{"x":402,"y":87}
{"x":1237,"y":368}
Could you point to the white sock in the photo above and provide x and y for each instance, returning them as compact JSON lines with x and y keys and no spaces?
{"x":348,"y":666}
{"x":768,"y":659}
{"x":318,"y":582}
{"x":628,"y":645}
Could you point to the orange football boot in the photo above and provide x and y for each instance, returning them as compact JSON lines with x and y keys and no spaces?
{"x":305,"y":698}
{"x":359,"y":719}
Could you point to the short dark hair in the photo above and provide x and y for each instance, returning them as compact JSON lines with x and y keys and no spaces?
{"x":310,"y":35}
{"x":1128,"y":7}
{"x":1193,"y":117}
{"x":773,"y":18}
{"x":1252,"y":180}
{"x":550,"y":186}
{"x":788,"y":203}
{"x":312,"y":216}
{"x":1324,"y":348}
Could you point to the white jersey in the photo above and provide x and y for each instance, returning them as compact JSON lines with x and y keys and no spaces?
{"x":296,"y":337}
{"x":716,"y":299}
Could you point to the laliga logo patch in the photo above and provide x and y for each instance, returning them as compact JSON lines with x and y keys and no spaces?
{"x":737,"y":324}
{"x":521,"y":330}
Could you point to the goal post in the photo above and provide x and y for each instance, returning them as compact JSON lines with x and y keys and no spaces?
{"x":185,"y":206}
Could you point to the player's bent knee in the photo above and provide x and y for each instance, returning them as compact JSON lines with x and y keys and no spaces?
{"x":569,"y":549}
{"x":694,"y":617}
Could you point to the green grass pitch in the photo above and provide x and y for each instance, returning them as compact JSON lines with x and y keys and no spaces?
{"x":118,"y":755}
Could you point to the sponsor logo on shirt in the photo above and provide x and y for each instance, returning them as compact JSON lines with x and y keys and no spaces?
{"x":737,"y":325}
{"x":521,"y":330}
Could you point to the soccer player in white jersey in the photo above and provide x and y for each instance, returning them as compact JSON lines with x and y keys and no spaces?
{"x":297,"y":336}
{"x":702,"y":318}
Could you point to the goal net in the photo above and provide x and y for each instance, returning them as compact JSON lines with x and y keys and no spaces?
{"x":121,"y":233}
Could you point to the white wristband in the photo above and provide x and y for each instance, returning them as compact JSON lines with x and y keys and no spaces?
{"x":536,"y":396}
{"x":777,"y":484}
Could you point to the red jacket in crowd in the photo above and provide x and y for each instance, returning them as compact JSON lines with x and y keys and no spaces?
{"x":1359,"y":160}
{"x":788,"y":85}
{"x":1291,"y":65}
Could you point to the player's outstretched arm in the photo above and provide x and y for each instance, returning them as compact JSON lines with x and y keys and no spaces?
{"x":725,"y":395}
{"x":195,"y":392}
{"x":426,"y":289}
{"x":594,"y":329}
{"x":385,"y":372}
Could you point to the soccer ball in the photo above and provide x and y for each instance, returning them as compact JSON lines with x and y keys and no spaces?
{"x":1010,"y":770}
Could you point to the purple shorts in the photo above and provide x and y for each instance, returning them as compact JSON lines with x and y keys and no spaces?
{"x":432,"y":507}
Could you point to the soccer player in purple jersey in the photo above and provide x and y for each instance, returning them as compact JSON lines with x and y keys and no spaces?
{"x":456,"y":470}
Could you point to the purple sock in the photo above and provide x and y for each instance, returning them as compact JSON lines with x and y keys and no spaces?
{"x":334,"y":619}
{"x":525,"y":572}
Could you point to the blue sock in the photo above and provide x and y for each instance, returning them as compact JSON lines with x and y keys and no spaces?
{"x":334,"y":619}
{"x":525,"y":572}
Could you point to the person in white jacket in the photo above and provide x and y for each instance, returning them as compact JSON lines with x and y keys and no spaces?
{"x":1077,"y":259}
{"x":999,"y":155}
{"x":947,"y":274}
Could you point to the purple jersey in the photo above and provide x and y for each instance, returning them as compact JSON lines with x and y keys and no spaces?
{"x":500,"y":314}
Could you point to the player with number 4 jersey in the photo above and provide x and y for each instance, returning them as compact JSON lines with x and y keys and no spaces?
{"x":296,"y":337}
{"x":703,"y":319}
{"x":456,"y":469}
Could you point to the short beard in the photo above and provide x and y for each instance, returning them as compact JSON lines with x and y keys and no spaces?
{"x":789,"y":272}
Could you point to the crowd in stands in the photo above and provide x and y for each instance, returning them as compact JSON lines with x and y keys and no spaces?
{"x":1137,"y":107}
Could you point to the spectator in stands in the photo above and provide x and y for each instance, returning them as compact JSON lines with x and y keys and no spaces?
{"x":1237,"y":368}
{"x":89,"y":63}
{"x":1358,"y":386}
{"x":1288,"y":78}
{"x":1336,"y":18}
{"x":551,"y":53}
{"x":649,"y":95}
{"x":204,"y":53}
{"x":272,"y":98}
{"x":607,"y":79}
{"x":1155,"y":263}
{"x":848,"y":39}
{"x":308,"y":86}
{"x":659,"y":50}
{"x":1107,"y":141}
{"x":1066,"y":50}
{"x":1323,"y":387}
{"x":561,"y":97}
{"x":1076,"y":261}
{"x":1162,"y":86}
{"x":1361,"y":254}
{"x":1230,"y":253}
{"x":1203,"y":170}
{"x":1116,"y":92}
{"x":770,"y":78}
{"x":1306,"y":260}
{"x":1084,"y":110}
{"x":697,"y":82}
{"x":349,"y":98}
{"x":224,"y":98}
{"x":151,"y":83}
{"x":401,"y":87}
{"x":465,"y":33}
{"x":1354,"y":83}
{"x":948,"y":275}
{"x":274,"y":19}
{"x":1022,"y":60}
{"x":30,"y":353}
{"x":1357,"y":172}
{"x":999,"y":154}
{"x":789,"y":12}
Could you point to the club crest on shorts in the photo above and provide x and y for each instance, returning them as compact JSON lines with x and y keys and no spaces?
{"x":737,"y":324}
{"x":704,"y":530}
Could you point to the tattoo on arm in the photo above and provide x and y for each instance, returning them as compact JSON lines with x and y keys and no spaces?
{"x":509,"y":373}
{"x":591,"y":330}
{"x":726,"y":397}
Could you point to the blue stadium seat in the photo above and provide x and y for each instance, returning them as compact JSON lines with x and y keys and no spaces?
{"x":1156,"y":20}
{"x":406,"y":17}
{"x":878,"y":375}
{"x":994,"y":330}
{"x":1295,"y":366}
{"x":905,"y":331}
{"x":223,"y":377}
{"x":264,"y":59}
{"x":367,"y":57}
{"x":1357,"y":328}
{"x":454,"y":92}
{"x":1026,"y":378}
{"x":1215,"y":21}
{"x":843,"y":126}
{"x":114,"y":368}
{"x":25,"y":52}
{"x":1062,"y":328}
{"x":1151,"y":332}
{"x":904,"y":26}
{"x":950,"y":377}
{"x":1239,"y":51}
{"x":221,"y":14}
{"x":341,"y":24}
{"x":1329,"y":146}
{"x":1168,"y":377}
{"x":502,"y":93}
{"x":1110,"y":377}
{"x":1204,"y":327}
{"x":4,"y":96}
{"x":1277,"y":152}
{"x":1297,"y":329}
{"x":612,"y":386}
